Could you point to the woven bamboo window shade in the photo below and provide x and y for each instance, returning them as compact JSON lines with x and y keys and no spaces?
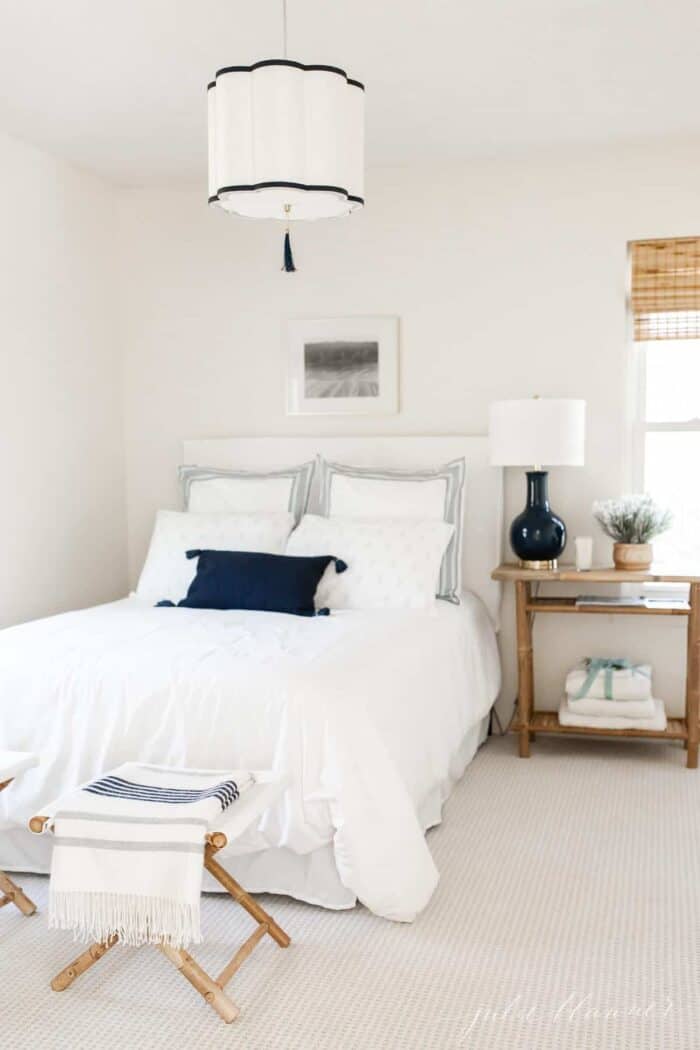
{"x":666,"y":288}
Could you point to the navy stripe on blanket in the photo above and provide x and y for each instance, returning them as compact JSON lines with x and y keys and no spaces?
{"x":115,"y":787}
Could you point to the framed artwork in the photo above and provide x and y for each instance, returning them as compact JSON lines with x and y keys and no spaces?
{"x":343,"y":366}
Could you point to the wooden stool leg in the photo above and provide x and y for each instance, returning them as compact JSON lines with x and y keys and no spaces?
{"x":241,"y":955}
{"x":93,"y":954}
{"x":14,"y":895}
{"x":202,"y":982}
{"x":245,"y":900}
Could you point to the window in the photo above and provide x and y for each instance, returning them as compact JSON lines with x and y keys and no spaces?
{"x":665,"y":306}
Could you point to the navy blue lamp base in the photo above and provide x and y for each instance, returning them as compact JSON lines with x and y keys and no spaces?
{"x":537,"y":535}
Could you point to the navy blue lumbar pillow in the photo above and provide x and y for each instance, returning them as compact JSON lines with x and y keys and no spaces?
{"x":251,"y":580}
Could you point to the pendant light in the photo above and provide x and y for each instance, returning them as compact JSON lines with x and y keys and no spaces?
{"x":286,"y":141}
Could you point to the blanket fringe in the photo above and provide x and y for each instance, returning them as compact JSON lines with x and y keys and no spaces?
{"x":134,"y":919}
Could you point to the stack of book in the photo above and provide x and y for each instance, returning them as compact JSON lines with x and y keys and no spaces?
{"x":609,"y":693}
{"x":641,"y":602}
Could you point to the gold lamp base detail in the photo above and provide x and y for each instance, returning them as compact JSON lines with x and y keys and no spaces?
{"x":550,"y":564}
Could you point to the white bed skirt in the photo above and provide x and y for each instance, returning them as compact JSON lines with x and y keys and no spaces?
{"x":311,"y":877}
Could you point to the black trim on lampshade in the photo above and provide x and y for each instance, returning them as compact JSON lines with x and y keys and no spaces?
{"x":285,"y":62}
{"x":310,"y":187}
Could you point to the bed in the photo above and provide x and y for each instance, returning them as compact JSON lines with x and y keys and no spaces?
{"x":374,"y":714}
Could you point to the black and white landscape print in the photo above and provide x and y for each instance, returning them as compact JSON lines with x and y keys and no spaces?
{"x":341,"y":368}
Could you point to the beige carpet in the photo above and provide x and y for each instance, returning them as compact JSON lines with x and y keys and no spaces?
{"x":567,"y":917}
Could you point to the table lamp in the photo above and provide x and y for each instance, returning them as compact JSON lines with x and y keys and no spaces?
{"x":535,"y":432}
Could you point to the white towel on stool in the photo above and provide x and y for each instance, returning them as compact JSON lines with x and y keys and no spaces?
{"x":658,"y":722}
{"x":128,"y":850}
{"x":611,"y":708}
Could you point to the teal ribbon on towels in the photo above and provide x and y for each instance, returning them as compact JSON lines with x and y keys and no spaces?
{"x":596,"y":665}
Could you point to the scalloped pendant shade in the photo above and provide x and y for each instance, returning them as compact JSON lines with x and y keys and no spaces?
{"x":286,"y":141}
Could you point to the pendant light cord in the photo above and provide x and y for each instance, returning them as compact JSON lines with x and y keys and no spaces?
{"x":284,"y":28}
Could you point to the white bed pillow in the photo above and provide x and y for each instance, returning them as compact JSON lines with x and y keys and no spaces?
{"x":433,"y":493}
{"x":167,"y":573}
{"x":392,"y":563}
{"x":212,"y":490}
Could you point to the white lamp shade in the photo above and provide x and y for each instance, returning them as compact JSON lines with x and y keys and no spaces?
{"x":547,"y":432}
{"x":282,"y":133}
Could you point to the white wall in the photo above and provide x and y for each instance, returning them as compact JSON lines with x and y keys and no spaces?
{"x":509,"y":279}
{"x":62,"y":529}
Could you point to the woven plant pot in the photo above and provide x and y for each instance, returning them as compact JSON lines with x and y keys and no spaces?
{"x":633,"y":557}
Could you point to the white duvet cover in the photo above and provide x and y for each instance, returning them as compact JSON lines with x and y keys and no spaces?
{"x":366,"y":711}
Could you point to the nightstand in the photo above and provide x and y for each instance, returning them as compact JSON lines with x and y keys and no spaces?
{"x":530,"y":720}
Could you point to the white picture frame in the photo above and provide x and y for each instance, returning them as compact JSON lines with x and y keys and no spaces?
{"x":342,"y":366}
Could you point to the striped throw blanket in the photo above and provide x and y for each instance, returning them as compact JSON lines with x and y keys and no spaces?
{"x":128,"y":853}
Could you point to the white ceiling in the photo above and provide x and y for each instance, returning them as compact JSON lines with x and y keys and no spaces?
{"x":119,"y":87}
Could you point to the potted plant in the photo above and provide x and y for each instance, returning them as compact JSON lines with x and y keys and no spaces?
{"x":632,"y":522}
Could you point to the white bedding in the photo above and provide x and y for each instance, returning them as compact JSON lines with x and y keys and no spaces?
{"x":373,"y":714}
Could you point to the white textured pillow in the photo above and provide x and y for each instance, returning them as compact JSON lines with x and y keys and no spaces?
{"x":376,"y":492}
{"x":167,"y":573}
{"x":392,"y":563}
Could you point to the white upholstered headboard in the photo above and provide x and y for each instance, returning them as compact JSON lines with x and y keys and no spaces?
{"x":483,"y":504}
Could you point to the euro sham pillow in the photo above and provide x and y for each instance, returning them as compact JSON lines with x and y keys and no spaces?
{"x":435,"y":493}
{"x":167,"y":574}
{"x":255,"y":581}
{"x":392,"y":563}
{"x":210,"y":490}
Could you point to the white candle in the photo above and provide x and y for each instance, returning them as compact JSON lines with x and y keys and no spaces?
{"x":584,"y":552}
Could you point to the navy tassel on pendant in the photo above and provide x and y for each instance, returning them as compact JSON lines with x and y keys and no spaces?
{"x":288,"y":257}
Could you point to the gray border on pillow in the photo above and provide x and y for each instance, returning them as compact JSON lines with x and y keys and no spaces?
{"x":454,"y":472}
{"x":298,"y":494}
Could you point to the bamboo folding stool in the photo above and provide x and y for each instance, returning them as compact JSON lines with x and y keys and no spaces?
{"x":12,"y":763}
{"x":240,"y":816}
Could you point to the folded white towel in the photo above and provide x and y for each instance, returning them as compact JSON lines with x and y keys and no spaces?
{"x":658,"y":722}
{"x":611,"y":708}
{"x":627,"y":683}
